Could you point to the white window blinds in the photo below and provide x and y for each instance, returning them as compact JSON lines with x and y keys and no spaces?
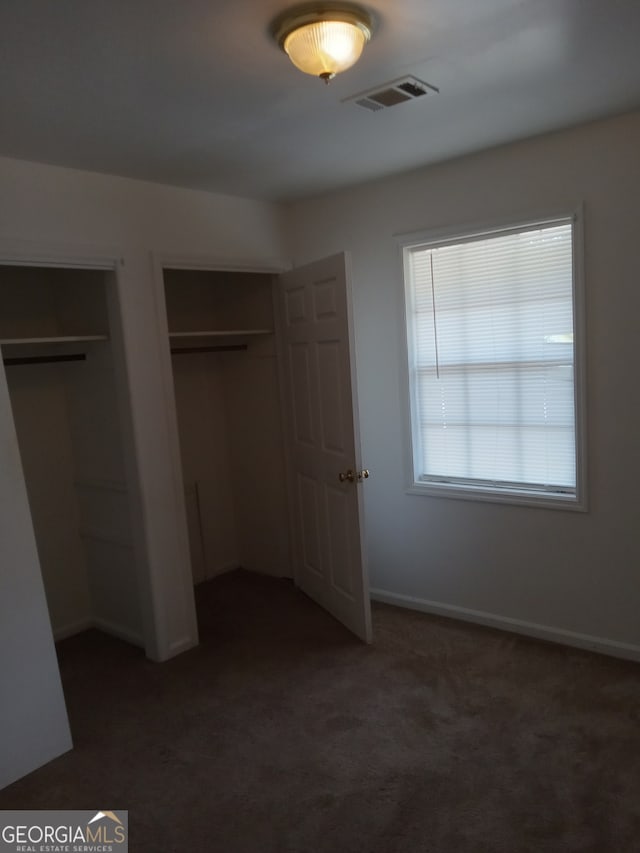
{"x":491,"y":350}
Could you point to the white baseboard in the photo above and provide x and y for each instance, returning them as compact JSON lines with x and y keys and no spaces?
{"x":179,"y":646}
{"x":224,"y":569}
{"x":628,"y":651}
{"x":118,"y":631}
{"x":217,"y":570}
{"x":106,"y":539}
{"x":72,"y":628}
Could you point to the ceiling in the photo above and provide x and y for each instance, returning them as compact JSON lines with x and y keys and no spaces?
{"x":196,"y":94}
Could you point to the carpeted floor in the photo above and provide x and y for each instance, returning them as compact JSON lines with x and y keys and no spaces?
{"x":282,"y":734}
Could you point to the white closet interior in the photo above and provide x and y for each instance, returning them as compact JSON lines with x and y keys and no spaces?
{"x":225,"y":372}
{"x":68,"y":395}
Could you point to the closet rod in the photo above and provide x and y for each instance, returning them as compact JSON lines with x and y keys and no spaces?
{"x":218,"y":348}
{"x":42,"y":359}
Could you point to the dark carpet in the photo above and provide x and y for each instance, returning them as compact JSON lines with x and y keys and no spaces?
{"x":282,"y":734}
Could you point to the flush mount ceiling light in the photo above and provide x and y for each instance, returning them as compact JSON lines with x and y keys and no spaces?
{"x":323,"y":39}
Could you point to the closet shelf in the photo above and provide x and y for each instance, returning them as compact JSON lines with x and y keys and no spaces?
{"x":54,"y":339}
{"x":220,"y":333}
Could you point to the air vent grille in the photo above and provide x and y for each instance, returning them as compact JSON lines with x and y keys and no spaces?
{"x":369,"y":104}
{"x":391,"y":94}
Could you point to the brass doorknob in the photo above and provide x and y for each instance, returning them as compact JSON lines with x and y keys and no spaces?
{"x":351,"y":476}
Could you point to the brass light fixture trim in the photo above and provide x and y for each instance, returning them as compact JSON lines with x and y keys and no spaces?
{"x":323,"y":39}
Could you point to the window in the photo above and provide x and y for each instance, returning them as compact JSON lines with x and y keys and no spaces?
{"x":493,"y":380}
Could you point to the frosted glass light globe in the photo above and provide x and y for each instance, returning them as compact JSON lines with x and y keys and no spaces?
{"x":325,"y":48}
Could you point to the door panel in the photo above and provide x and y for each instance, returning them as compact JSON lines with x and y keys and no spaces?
{"x":339,"y":519}
{"x":33,"y":719}
{"x":324,"y":300}
{"x":295,"y":306}
{"x":331,"y":402}
{"x":300,"y":385}
{"x":310,"y":532}
{"x":323,"y":441}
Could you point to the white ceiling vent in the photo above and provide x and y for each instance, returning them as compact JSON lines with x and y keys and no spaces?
{"x":395,"y":92}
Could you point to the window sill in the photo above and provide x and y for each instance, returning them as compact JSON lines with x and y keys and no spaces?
{"x":520,"y":497}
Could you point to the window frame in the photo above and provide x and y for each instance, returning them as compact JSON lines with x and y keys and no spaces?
{"x":482,"y":491}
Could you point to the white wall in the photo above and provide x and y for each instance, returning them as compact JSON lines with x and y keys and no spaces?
{"x":257,"y":455}
{"x":560,"y":574}
{"x":204,"y":444}
{"x":229,"y":418}
{"x":104,"y":494}
{"x":39,"y":405}
{"x":50,"y":204}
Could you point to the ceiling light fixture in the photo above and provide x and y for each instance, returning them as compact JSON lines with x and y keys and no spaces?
{"x":323,"y":39}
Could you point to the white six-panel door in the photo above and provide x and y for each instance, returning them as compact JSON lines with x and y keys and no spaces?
{"x":323,"y":441}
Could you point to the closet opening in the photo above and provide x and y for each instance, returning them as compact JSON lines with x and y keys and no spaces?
{"x":62,"y":352}
{"x":228,"y":406}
